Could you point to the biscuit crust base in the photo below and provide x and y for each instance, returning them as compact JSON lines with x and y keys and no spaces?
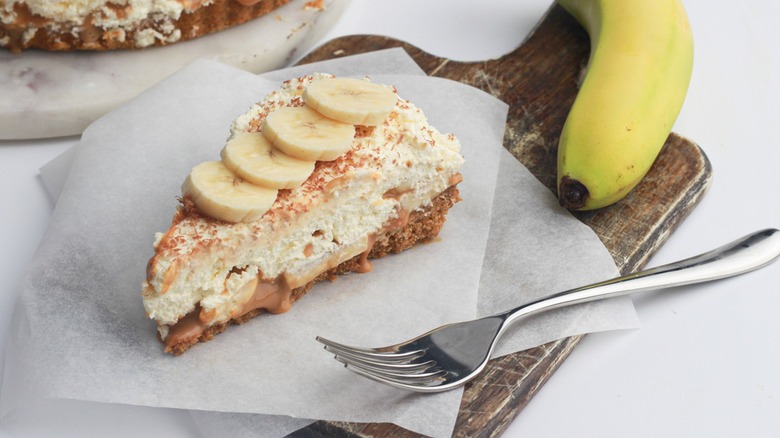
{"x":53,"y":36}
{"x":423,"y":226}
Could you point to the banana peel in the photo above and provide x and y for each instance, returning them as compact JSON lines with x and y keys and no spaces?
{"x":637,"y":77}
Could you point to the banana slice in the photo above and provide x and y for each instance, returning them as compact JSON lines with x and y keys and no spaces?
{"x":306,"y":134}
{"x":252,"y":157}
{"x":221,"y":194}
{"x":351,"y":100}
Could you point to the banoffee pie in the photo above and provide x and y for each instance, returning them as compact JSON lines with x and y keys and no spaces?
{"x":318,"y":178}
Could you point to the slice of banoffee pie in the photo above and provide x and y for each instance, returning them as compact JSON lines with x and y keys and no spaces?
{"x":322,"y":175}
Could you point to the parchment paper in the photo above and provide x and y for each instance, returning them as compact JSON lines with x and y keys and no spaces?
{"x":79,"y":330}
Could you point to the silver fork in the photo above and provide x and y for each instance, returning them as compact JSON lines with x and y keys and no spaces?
{"x":449,"y":356}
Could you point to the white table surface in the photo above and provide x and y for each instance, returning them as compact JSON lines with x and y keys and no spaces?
{"x":705,"y":361}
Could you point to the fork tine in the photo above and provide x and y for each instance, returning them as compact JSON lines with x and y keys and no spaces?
{"x":334,"y":344}
{"x":343,"y":347}
{"x":386,"y":381}
{"x":427,"y":378}
{"x":393,"y":367}
{"x":370,"y":354}
{"x":389,"y":359}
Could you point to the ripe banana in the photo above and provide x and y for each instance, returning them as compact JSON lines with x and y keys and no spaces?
{"x":304,"y":133}
{"x":221,"y":194}
{"x":255,"y":159}
{"x":637,"y":77}
{"x":351,"y":100}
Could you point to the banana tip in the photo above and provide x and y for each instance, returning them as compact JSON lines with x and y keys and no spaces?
{"x":572,"y":194}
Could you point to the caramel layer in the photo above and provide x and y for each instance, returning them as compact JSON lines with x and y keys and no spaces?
{"x":273,"y":296}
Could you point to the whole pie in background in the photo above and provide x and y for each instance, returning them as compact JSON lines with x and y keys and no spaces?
{"x":98,"y":25}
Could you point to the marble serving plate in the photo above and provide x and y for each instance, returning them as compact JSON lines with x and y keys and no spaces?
{"x":46,"y":94}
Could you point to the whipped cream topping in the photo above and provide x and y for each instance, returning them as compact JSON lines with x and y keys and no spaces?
{"x":105,"y":13}
{"x":116,"y":15}
{"x":392,"y":169}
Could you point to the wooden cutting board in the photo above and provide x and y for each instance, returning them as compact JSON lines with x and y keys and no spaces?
{"x":538,"y":81}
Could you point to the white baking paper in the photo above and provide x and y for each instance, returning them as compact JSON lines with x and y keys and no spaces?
{"x":80,"y":332}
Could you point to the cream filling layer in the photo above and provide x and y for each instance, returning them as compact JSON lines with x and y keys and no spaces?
{"x":111,"y":14}
{"x":240,"y":284}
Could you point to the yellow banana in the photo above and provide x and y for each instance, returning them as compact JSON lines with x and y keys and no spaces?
{"x":637,"y":77}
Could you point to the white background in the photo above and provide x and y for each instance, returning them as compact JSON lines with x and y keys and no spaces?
{"x":705,"y":361}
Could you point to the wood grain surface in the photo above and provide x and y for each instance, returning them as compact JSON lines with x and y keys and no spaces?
{"x":538,"y":81}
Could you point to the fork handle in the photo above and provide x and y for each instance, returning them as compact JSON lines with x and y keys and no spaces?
{"x":743,"y":255}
